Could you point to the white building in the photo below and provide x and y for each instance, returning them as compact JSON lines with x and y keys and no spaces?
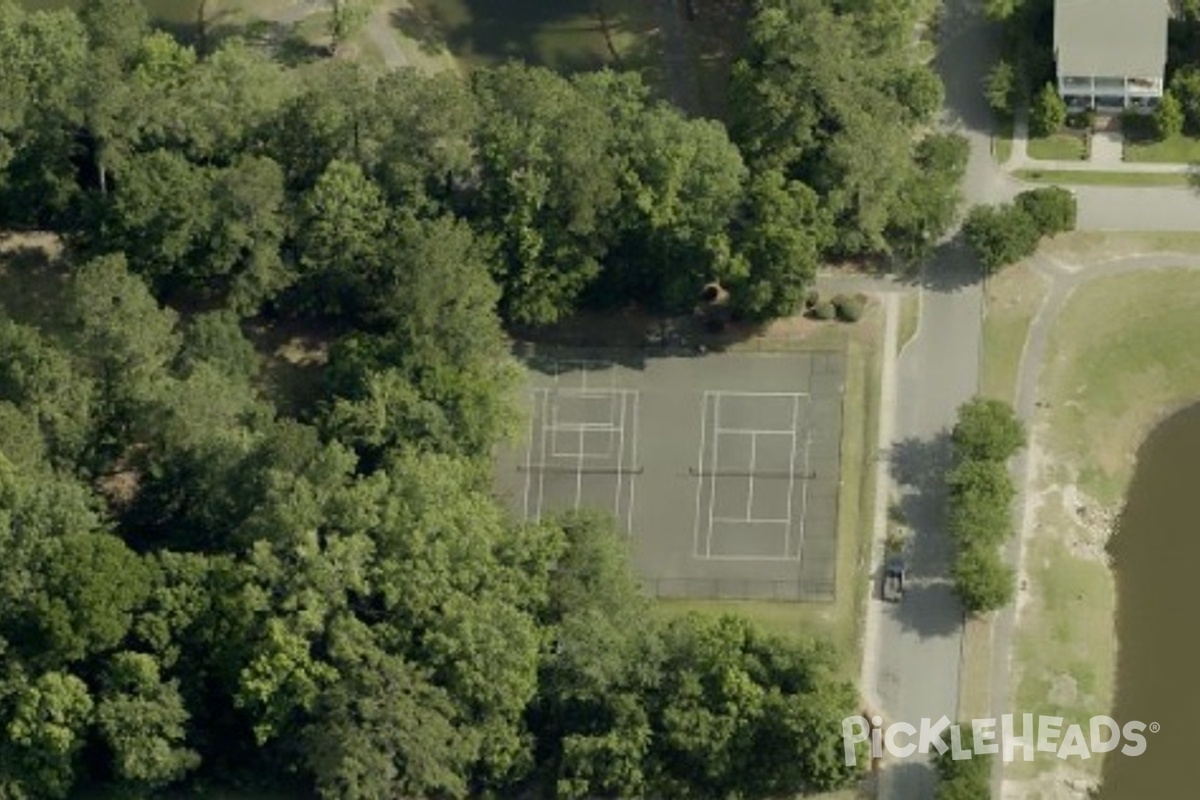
{"x":1110,"y":54}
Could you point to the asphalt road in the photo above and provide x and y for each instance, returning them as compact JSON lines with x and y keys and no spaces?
{"x":919,"y":640}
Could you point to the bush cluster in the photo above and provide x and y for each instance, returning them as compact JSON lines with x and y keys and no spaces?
{"x":986,"y":436}
{"x":1004,"y":234}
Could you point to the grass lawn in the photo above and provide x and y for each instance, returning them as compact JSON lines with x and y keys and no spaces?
{"x":1058,"y":147}
{"x":841,"y":620}
{"x":1011,"y":300}
{"x":1123,"y":354}
{"x":1002,"y":141}
{"x":975,"y":671}
{"x":910,"y":317}
{"x":1174,"y":150}
{"x":1089,"y":247}
{"x":1122,"y":358}
{"x":1090,"y":178}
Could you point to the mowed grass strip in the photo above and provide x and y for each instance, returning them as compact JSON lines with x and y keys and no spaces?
{"x":1091,"y":247}
{"x":1123,"y":355}
{"x":841,"y":620}
{"x":1058,"y":147}
{"x":1011,"y":301}
{"x":1085,"y":177}
{"x":910,"y":318}
{"x":1172,"y":150}
{"x":1002,"y":140}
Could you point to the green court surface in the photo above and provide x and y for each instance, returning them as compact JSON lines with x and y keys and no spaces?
{"x":723,"y":468}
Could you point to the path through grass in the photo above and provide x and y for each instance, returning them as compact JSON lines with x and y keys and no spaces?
{"x":1122,"y":356}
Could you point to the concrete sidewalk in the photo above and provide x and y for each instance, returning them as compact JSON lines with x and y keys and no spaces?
{"x":1105,"y":156}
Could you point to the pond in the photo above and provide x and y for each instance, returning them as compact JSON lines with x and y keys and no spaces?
{"x":1156,"y":559}
{"x":169,"y":12}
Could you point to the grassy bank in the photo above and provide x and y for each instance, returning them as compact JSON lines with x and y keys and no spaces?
{"x":1121,"y":357}
{"x":1002,"y":141}
{"x":841,"y":620}
{"x":910,"y":317}
{"x":1089,"y":178}
{"x":1058,"y":147}
{"x":1172,"y":150}
{"x":1088,"y":247}
{"x":1011,"y":300}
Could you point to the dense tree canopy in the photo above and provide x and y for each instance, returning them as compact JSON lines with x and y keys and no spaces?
{"x":199,"y":586}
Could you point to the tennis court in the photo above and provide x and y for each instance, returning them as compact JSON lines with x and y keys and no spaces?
{"x":723,"y":468}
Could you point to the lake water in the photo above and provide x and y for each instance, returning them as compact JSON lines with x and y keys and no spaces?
{"x":1156,"y":555}
{"x":171,"y":12}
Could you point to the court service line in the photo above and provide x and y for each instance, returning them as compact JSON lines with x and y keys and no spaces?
{"x":804,"y":495}
{"x":750,"y":488}
{"x":755,"y":431}
{"x":712,"y":495}
{"x":633,"y":435}
{"x":750,"y":558}
{"x":533,"y":414}
{"x":620,"y":463}
{"x":731,"y":393}
{"x":579,"y":467}
{"x":747,"y":521}
{"x":700,"y":475}
{"x":787,"y":534}
{"x":542,"y":473}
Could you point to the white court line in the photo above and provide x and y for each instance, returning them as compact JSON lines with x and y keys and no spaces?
{"x":753,"y":464}
{"x":529,"y":452}
{"x":787,"y":534}
{"x":755,"y":431}
{"x":712,"y":495}
{"x":542,"y":473}
{"x":620,"y":463}
{"x":773,"y":559}
{"x":633,"y":435}
{"x":804,"y":495}
{"x":724,"y":393}
{"x":699,"y":476}
{"x":740,"y":521}
{"x":579,"y":469}
{"x":576,"y":427}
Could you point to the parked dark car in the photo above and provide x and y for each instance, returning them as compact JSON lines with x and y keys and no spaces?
{"x":893,"y":580}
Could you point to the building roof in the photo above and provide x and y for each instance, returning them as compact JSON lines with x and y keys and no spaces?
{"x":1114,"y":38}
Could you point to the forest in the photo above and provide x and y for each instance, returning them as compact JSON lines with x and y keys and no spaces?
{"x":206,"y":586}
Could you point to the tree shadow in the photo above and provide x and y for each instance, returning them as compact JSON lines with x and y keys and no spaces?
{"x":35,"y":280}
{"x":949,"y":268}
{"x":968,"y":46}
{"x":912,"y":777}
{"x":918,"y":467}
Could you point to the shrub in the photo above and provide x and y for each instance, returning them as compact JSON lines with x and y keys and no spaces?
{"x":982,"y":580}
{"x":849,"y":309}
{"x":987,"y":429}
{"x":1185,"y":87}
{"x":812,"y":298}
{"x":1047,"y":113}
{"x":1168,"y":117}
{"x":1000,"y":88}
{"x":1051,"y":208}
{"x":1000,"y":235}
{"x":823,"y":309}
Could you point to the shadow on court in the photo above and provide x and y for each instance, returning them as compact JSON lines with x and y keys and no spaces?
{"x":724,"y":470}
